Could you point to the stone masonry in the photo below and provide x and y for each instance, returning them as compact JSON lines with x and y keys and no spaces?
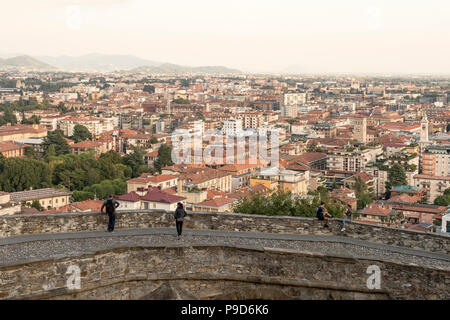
{"x":218,"y":272}
{"x":76,"y":222}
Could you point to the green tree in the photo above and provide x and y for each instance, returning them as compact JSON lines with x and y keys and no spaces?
{"x":396,"y":177}
{"x":103,"y":189}
{"x":81,"y":133}
{"x":75,"y":172}
{"x":135,"y":161}
{"x":285,"y":204}
{"x":57,"y":139}
{"x":153,"y":140}
{"x":364,"y":199}
{"x":164,"y":157}
{"x":443,"y":200}
{"x":18,"y":174}
{"x":185,"y":83}
{"x":61,"y":108}
{"x":35,"y":204}
{"x":32,"y":120}
{"x":30,"y":153}
{"x":82,"y":195}
{"x":149,"y":89}
{"x":181,"y":101}
{"x":359,"y":186}
{"x":9,"y":117}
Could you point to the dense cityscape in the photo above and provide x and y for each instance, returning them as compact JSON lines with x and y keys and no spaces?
{"x":379,"y":144}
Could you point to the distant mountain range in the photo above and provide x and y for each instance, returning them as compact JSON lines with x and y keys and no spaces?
{"x":105,"y":63}
{"x":25,"y":62}
{"x":97,"y":62}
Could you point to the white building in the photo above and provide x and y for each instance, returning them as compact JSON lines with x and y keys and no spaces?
{"x":296,"y":98}
{"x":232,"y":127}
{"x":152,"y":198}
{"x":290,"y":111}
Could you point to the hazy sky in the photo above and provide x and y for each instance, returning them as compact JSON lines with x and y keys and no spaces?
{"x":398,"y":36}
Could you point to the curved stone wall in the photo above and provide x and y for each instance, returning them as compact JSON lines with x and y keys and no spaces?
{"x":218,"y":272}
{"x":76,"y":222}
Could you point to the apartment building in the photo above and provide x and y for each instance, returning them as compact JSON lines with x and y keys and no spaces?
{"x":294,"y":98}
{"x":150,"y":198}
{"x":360,"y":129}
{"x":11,"y":149}
{"x":290,"y":111}
{"x":48,"y":197}
{"x":146,"y":180}
{"x":215,"y":205}
{"x":325,"y":129}
{"x":8,"y":207}
{"x":96,"y":126}
{"x":341,"y":160}
{"x":312,"y":160}
{"x":436,"y":160}
{"x":99,"y":147}
{"x":434,"y":185}
{"x":22,"y":131}
{"x":51,"y":122}
{"x":251,"y":119}
{"x":286,"y":180}
{"x":240,"y":174}
{"x":205,"y":178}
{"x":232,"y":127}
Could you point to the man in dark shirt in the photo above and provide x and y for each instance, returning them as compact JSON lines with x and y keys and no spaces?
{"x":111,"y":204}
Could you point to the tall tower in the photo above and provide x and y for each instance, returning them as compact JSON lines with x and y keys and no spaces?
{"x":424,"y":128}
{"x":168,"y":101}
{"x":360,"y":130}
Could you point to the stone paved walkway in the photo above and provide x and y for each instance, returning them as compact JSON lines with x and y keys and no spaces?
{"x":26,"y":248}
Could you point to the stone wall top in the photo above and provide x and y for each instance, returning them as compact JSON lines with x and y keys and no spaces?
{"x":16,"y":225}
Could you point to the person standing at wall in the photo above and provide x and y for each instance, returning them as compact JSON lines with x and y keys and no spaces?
{"x":348,"y":216}
{"x":111,"y":204}
{"x":179,"y":215}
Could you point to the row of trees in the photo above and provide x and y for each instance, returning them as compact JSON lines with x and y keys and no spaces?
{"x":85,"y":174}
{"x":284,"y":203}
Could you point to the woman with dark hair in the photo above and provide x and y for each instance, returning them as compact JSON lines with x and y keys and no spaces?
{"x":179,"y":215}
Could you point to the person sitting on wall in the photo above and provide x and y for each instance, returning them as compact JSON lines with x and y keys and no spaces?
{"x":321,"y":213}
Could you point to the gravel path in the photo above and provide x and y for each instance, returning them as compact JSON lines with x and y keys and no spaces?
{"x":12,"y":253}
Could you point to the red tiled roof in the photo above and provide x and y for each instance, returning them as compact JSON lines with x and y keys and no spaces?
{"x":378,"y":211}
{"x":216,"y":203}
{"x":364,"y":176}
{"x":148,"y":177}
{"x":86,"y":144}
{"x":130,"y":197}
{"x":309,"y":157}
{"x":159,"y":196}
{"x":9,"y":146}
{"x":91,"y":205}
